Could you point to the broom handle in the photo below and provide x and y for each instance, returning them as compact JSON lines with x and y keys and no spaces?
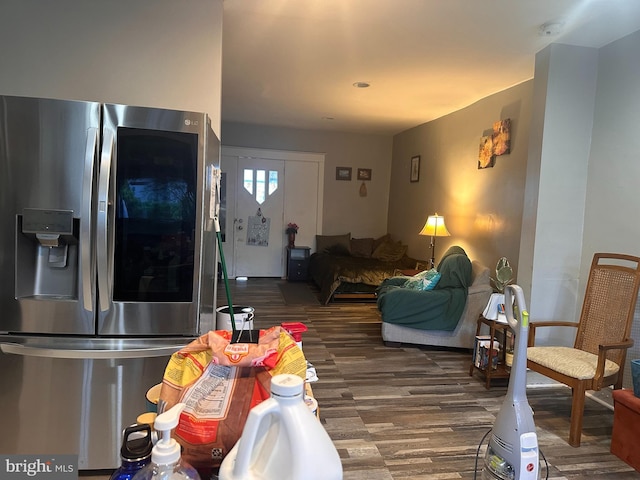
{"x":224,"y":276}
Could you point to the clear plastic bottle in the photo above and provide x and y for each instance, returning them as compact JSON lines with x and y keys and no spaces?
{"x":166,"y":462}
{"x":135,"y":451}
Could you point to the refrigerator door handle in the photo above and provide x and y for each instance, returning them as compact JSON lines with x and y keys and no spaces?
{"x":88,"y":354}
{"x":102,"y":218}
{"x":85,"y":215}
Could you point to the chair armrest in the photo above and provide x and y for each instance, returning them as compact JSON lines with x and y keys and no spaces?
{"x":533,"y":325}
{"x":602,"y":356}
{"x":616,"y":346}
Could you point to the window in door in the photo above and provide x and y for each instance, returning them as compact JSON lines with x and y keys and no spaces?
{"x":260,"y":183}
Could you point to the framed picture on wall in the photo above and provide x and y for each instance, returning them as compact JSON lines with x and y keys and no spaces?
{"x":343,"y":173}
{"x":415,"y":168}
{"x":364,"y":174}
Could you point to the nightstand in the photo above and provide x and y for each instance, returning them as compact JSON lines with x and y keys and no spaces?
{"x":298,"y":263}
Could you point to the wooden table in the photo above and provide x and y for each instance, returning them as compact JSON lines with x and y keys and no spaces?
{"x":501,"y":371}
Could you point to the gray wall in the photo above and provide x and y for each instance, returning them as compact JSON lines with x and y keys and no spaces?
{"x":344,"y":210}
{"x":154,"y":53}
{"x":552,"y":235}
{"x":611,"y":215}
{"x":482,"y":207}
{"x":583,"y":166}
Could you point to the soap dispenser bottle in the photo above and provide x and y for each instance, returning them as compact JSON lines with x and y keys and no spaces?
{"x":166,"y":462}
{"x":135,"y":452}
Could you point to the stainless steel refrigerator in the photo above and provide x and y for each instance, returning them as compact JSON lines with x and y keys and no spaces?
{"x":107,"y":266}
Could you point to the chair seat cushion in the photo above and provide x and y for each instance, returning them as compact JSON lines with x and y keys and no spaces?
{"x":570,"y":361}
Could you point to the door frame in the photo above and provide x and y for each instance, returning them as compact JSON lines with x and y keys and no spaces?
{"x":286,"y":156}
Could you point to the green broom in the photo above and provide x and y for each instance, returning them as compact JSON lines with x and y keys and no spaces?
{"x":236,"y":335}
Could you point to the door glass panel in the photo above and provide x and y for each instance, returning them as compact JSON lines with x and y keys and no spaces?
{"x":260,"y":186}
{"x":155,"y":216}
{"x":273,"y":181}
{"x":248,"y":180}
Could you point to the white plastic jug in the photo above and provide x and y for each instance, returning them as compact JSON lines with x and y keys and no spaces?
{"x":282,"y":440}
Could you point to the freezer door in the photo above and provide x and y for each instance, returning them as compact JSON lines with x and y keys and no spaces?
{"x":47,"y":178}
{"x":150,"y":221}
{"x":76,"y":396}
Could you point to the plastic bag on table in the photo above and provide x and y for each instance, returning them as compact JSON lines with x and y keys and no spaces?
{"x":220,"y":382}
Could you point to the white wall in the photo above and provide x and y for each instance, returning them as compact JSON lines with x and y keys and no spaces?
{"x":157,"y":53}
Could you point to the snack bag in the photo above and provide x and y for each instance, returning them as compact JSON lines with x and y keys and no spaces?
{"x":220,"y":382}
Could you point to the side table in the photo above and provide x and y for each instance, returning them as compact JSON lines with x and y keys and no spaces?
{"x":297,"y":263}
{"x":501,"y":371}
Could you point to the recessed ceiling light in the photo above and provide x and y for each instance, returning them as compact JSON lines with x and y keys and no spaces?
{"x":361,"y":84}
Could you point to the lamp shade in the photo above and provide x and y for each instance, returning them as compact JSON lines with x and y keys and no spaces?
{"x":435,"y":227}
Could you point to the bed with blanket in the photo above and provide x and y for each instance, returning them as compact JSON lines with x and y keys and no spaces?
{"x":352,"y":268}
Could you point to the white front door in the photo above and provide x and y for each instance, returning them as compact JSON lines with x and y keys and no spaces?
{"x":297,"y":199}
{"x":258,"y":227}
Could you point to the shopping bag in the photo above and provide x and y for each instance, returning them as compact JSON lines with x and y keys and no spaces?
{"x":220,"y":382}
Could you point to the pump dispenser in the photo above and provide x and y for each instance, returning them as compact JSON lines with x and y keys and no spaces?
{"x":166,"y":462}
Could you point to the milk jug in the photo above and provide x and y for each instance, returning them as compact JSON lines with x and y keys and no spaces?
{"x":282,"y":440}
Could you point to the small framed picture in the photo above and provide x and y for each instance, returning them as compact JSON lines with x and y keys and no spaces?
{"x":364,"y":174}
{"x":415,"y":168}
{"x":343,"y":173}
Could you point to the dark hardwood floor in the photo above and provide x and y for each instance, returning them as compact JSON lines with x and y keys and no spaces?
{"x":415,"y":413}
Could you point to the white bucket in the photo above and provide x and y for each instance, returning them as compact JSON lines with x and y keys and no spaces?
{"x":241,"y":314}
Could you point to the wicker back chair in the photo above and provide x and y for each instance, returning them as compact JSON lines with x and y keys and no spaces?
{"x":598,"y":356}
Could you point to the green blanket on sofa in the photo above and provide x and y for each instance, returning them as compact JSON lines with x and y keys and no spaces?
{"x":437,"y":309}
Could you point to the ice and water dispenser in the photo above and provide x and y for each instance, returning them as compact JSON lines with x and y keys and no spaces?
{"x":47,"y":254}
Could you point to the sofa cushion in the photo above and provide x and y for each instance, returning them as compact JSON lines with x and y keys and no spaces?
{"x":362,"y":247}
{"x":390,"y":251}
{"x":379,"y":241}
{"x":334,"y":243}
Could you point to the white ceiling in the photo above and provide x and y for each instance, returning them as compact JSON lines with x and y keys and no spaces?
{"x":293,"y":62}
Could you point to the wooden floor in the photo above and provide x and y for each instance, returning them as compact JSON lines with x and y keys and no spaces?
{"x":415,"y":413}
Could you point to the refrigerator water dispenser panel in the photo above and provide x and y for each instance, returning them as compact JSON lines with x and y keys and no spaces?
{"x":46,"y":246}
{"x":52,"y":229}
{"x":36,"y":220}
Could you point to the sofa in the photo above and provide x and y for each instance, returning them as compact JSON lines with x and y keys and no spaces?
{"x":444,"y":316}
{"x":345,"y":267}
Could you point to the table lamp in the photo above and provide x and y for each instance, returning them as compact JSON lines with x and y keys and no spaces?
{"x":434,"y":227}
